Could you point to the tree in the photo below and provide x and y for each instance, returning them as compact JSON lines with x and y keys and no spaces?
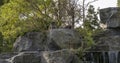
{"x":2,"y":2}
{"x":89,"y":28}
{"x":91,"y":20}
{"x":66,"y":12}
{"x":118,"y":2}
{"x":20,"y":16}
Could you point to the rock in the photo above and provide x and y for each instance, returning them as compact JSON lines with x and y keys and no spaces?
{"x":5,"y":56}
{"x":65,"y":38}
{"x":108,"y":40}
{"x":26,"y":57}
{"x":31,"y":41}
{"x":3,"y":61}
{"x":61,"y":56}
{"x":55,"y":39}
{"x":110,"y":17}
{"x":50,"y":47}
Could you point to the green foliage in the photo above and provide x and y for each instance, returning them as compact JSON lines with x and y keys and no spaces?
{"x":91,"y":20}
{"x":2,"y":2}
{"x":88,"y":40}
{"x":87,"y":37}
{"x":20,"y":16}
{"x":118,"y":3}
{"x":90,"y":28}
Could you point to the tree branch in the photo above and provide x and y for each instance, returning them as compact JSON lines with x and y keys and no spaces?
{"x":90,"y":2}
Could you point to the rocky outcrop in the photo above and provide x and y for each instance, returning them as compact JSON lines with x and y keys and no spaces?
{"x":31,"y":41}
{"x":53,"y":46}
{"x":65,"y":38}
{"x":107,"y":40}
{"x":61,"y":56}
{"x":110,"y":17}
{"x":4,"y":61}
{"x":5,"y":56}
{"x":26,"y":57}
{"x":55,"y":39}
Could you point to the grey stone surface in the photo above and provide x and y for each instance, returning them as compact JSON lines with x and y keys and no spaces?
{"x":65,"y":38}
{"x":5,"y":56}
{"x":110,"y":17}
{"x":31,"y":41}
{"x":50,"y":47}
{"x":60,"y":56}
{"x":26,"y":57}
{"x":54,"y":39}
{"x":109,"y":40}
{"x":4,"y":61}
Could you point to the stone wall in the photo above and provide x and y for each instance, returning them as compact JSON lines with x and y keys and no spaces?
{"x":54,"y":46}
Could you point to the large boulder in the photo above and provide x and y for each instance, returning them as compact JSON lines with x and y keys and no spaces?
{"x":4,"y":61}
{"x":61,"y":56}
{"x":26,"y":57}
{"x":5,"y":56}
{"x":52,"y":46}
{"x":49,"y":47}
{"x":110,"y":17}
{"x":108,"y":40}
{"x":31,"y":41}
{"x":55,"y":39}
{"x":65,"y":38}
